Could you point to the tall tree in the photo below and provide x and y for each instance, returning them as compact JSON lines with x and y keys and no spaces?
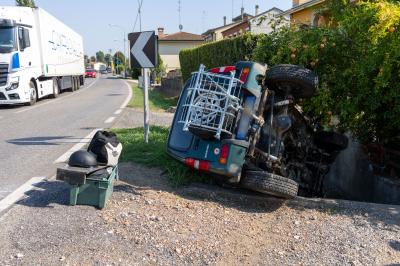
{"x":27,"y":3}
{"x":93,"y":59}
{"x":108,"y":59}
{"x":119,"y":59}
{"x":87,"y":61}
{"x":100,"y":57}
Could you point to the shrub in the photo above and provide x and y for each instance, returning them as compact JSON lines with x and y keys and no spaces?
{"x":357,"y":61}
{"x":223,"y":53}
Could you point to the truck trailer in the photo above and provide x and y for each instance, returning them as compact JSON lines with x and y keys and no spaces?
{"x":39,"y":56}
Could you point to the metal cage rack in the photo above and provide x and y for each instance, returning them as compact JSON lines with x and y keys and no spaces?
{"x":212,"y":103}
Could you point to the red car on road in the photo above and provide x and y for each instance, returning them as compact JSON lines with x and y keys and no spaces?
{"x":90,"y":73}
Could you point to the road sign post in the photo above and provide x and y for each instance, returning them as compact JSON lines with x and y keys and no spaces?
{"x":144,"y":51}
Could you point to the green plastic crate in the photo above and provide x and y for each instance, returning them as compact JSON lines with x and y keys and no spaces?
{"x":96,"y":191}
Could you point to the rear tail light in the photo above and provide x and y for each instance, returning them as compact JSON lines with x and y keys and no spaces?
{"x":220,"y":70}
{"x":197,"y":164}
{"x":245,"y":74}
{"x":224,"y":154}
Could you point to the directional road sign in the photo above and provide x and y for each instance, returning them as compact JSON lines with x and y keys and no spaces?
{"x":144,"y":48}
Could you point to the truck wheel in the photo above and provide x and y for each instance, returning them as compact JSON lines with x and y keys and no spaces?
{"x":299,"y":82}
{"x":56,"y":88}
{"x":270,"y":184}
{"x":33,"y":94}
{"x":78,"y":83}
{"x":73,"y":88}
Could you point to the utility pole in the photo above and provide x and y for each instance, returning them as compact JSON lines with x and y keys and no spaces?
{"x":124,"y":40}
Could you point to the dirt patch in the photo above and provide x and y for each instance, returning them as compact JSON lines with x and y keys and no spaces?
{"x":149,"y":222}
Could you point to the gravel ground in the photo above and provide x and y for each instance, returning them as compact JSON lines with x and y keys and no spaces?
{"x":147,"y":222}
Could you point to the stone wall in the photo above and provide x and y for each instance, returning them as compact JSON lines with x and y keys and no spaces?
{"x":171,"y":87}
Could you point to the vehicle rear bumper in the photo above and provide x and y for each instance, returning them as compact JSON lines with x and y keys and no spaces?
{"x":231,"y":172}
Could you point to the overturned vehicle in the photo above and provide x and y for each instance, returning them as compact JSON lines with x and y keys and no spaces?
{"x":243,"y":125}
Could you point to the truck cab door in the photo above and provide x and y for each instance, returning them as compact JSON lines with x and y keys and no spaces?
{"x":24,"y":44}
{"x":26,"y":56}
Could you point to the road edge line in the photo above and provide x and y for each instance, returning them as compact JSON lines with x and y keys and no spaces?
{"x":82,"y":142}
{"x":17,"y":194}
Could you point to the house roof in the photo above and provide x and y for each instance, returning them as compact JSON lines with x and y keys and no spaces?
{"x":238,"y":24}
{"x":182,"y":36}
{"x":280,"y":11}
{"x":239,"y":18}
{"x":302,"y":6}
{"x":221,"y":27}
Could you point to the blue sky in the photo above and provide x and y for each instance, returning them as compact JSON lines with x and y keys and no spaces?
{"x":91,"y":18}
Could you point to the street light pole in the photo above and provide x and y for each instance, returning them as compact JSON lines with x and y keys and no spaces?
{"x":124,"y":40}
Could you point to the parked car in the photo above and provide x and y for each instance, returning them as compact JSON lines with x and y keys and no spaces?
{"x":90,"y":73}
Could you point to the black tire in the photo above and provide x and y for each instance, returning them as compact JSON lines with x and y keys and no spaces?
{"x":78,"y":83}
{"x":299,"y":82}
{"x":331,"y":141}
{"x":270,"y":184}
{"x":56,"y":88}
{"x":73,"y":88}
{"x":33,"y":94}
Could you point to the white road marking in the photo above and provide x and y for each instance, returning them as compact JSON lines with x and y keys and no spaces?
{"x":130,"y":94}
{"x":63,"y":158}
{"x":56,"y":100}
{"x":109,"y":120}
{"x":19,"y":193}
{"x":116,"y":112}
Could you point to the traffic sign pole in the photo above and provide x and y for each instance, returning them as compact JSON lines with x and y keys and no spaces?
{"x":146,"y":104}
{"x":144,"y":51}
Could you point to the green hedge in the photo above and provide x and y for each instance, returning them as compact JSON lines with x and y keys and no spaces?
{"x":223,"y":53}
{"x":357,"y":61}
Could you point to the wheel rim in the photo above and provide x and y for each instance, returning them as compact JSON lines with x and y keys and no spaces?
{"x":56,"y":90}
{"x":33,"y":94}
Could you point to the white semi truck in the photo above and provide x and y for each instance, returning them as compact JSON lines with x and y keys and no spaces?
{"x":39,"y":56}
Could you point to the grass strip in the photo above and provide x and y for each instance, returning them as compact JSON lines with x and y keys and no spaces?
{"x":157,"y":102}
{"x":154,"y":154}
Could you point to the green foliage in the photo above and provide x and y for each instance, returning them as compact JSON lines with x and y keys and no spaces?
{"x":120,"y":56}
{"x":108,"y":59}
{"x":222,"y":53}
{"x":27,"y":3}
{"x":86,"y":60}
{"x":100,"y":57}
{"x":153,"y":154}
{"x":357,"y":59}
{"x":136,"y":72}
{"x":160,"y":69}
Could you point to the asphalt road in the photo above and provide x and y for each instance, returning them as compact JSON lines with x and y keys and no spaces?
{"x":33,"y":138}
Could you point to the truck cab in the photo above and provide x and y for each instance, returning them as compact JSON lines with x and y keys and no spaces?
{"x":18,"y":65}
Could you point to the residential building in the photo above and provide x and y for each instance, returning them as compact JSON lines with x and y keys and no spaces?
{"x":259,"y":23}
{"x":215,"y":34}
{"x":265,"y":22}
{"x":169,"y":46}
{"x":304,"y":12}
{"x":242,"y":26}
